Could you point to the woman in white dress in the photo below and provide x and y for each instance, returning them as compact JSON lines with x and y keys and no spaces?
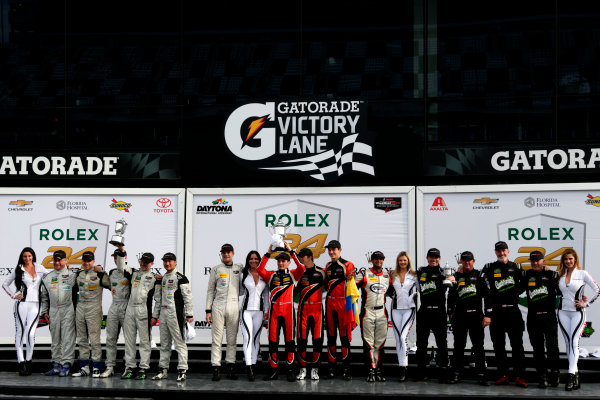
{"x":571,"y":309}
{"x":27,"y":277}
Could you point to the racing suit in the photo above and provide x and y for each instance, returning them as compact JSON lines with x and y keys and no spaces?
{"x":222,"y":300}
{"x":505,"y":288}
{"x":542,"y":325}
{"x":335,"y":306}
{"x":310,"y":314}
{"x":144,"y":287}
{"x":432,"y":316}
{"x":88,"y":317}
{"x":281,"y":310}
{"x":466,"y":315}
{"x":59,"y":298}
{"x":176,"y":305}
{"x":373,"y":314}
{"x":119,"y":283}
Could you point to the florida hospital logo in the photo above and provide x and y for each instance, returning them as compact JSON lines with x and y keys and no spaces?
{"x":322,"y":139}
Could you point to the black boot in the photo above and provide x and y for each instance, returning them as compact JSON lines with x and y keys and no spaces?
{"x":28,"y":367}
{"x":543,"y":381}
{"x":250,"y":373}
{"x":402,"y":377}
{"x":230,"y":373}
{"x":22,"y":370}
{"x":576,"y":384}
{"x":570,"y":382}
{"x":216,"y":374}
{"x":553,"y":378}
{"x":273,"y":375}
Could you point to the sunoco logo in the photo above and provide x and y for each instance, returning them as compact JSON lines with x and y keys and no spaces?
{"x":593,"y":200}
{"x":120,"y":205}
{"x":321,"y":139}
{"x":218,"y":206}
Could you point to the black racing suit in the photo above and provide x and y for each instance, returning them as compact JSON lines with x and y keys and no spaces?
{"x":542,"y":290}
{"x":505,"y":287}
{"x":466,"y":315}
{"x":431,"y":316}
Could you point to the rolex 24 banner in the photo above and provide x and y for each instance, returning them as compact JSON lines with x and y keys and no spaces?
{"x":548,"y":218}
{"x":362,"y":219}
{"x":79,"y":220}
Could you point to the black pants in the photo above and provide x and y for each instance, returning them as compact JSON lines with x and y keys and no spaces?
{"x":468,"y":323}
{"x":543,"y":335}
{"x":432,"y":320}
{"x":508,"y":321}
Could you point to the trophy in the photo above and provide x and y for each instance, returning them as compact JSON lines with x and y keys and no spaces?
{"x":278,"y":233}
{"x":117,"y":239}
{"x":448,"y":271}
{"x":368,"y":255}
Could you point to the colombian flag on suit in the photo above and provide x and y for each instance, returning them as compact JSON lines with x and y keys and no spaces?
{"x":351,"y":316}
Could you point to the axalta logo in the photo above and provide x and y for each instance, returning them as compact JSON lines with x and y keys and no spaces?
{"x":593,"y":200}
{"x":322,"y":139}
{"x":120,"y":205}
{"x":20,"y":205}
{"x":218,"y":206}
{"x":164,"y":206}
{"x":438,"y":205}
{"x":485,"y":203}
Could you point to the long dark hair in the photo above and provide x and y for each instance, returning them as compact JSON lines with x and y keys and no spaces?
{"x":19,"y":272}
{"x":247,"y":265}
{"x":26,"y":250}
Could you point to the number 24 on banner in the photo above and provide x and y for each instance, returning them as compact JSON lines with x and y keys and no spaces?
{"x":552,"y":259}
{"x":73,"y":259}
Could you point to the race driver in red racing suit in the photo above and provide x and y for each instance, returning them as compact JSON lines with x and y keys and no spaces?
{"x":338,"y":271}
{"x":281,"y":311}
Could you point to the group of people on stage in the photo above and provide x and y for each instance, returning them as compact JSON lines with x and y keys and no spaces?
{"x":250,"y":296}
{"x":71,"y":302}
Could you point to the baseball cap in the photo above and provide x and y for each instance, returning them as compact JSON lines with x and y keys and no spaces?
{"x":285,"y":256}
{"x":59,"y":255}
{"x":226,"y":247}
{"x":501,"y":245}
{"x":115,"y":253}
{"x":169,"y":256}
{"x":147,"y":258}
{"x":433,"y":252}
{"x":377,"y":254}
{"x":88,"y":256}
{"x":536,"y":255}
{"x":305,"y":252}
{"x":334,"y":244}
{"x":466,"y":255}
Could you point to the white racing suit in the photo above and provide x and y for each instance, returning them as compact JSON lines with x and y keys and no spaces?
{"x":175,"y":307}
{"x":223,"y":302}
{"x":59,"y":297}
{"x":144,"y":287}
{"x":119,"y":283}
{"x":88,"y":317}
{"x":373,"y":315}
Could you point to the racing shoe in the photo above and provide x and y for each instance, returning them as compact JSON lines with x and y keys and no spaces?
{"x":520,"y":382}
{"x":291,"y":377}
{"x":570,"y":382}
{"x":330,"y":374}
{"x":273,"y":376}
{"x":27,"y":368}
{"x":482,"y":381}
{"x":230,"y":374}
{"x":314,"y":374}
{"x":503,"y":380}
{"x":371,"y":375}
{"x":96,"y":373}
{"x":141,"y":375}
{"x":66,"y":368}
{"x":128,"y":373}
{"x":162,"y":374}
{"x":347,"y":375}
{"x":84,"y":371}
{"x":576,"y":384}
{"x":379,"y":375}
{"x":54,"y":371}
{"x":553,"y":378}
{"x":108,"y":372}
{"x":402,"y":377}
{"x":302,"y":375}
{"x":216,"y":374}
{"x":182,"y":375}
{"x":250,"y":373}
{"x":22,"y":369}
{"x":543,"y":382}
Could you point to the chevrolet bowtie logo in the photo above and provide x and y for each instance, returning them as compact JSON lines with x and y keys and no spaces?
{"x":485,"y":200}
{"x":20,"y":203}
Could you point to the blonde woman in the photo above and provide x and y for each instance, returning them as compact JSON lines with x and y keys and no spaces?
{"x":571,"y":309}
{"x":403,"y":291}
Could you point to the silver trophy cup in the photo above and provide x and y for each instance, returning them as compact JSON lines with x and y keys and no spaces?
{"x":117,"y":239}
{"x":448,"y":271}
{"x":278,"y":231}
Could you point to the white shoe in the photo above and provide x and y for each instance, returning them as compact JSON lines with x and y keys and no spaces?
{"x":96,"y":373}
{"x":162,"y":374}
{"x":108,"y":372}
{"x":85,"y":371}
{"x":302,"y":375}
{"x":182,"y":375}
{"x":314,"y":374}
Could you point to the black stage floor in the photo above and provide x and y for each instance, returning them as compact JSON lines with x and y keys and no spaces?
{"x":201,"y":386}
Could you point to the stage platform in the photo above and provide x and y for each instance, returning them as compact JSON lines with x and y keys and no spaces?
{"x":200,"y":385}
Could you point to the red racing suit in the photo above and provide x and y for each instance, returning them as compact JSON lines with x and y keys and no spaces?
{"x":281,"y":312}
{"x":336,"y":275}
{"x":310,"y":314}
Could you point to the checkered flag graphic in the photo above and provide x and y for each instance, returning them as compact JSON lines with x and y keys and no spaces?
{"x":330,"y":163}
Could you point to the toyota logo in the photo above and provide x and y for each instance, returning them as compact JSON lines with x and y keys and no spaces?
{"x":163,"y":202}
